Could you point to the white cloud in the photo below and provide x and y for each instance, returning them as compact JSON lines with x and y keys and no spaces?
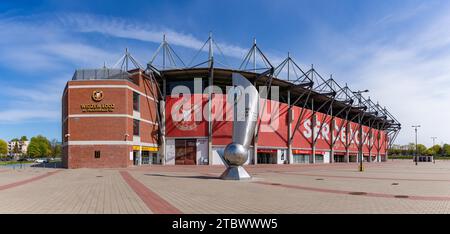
{"x":42,"y":46}
{"x":27,"y":115}
{"x":409,"y":72}
{"x":31,"y":45}
{"x":118,"y":27}
{"x":39,"y":102}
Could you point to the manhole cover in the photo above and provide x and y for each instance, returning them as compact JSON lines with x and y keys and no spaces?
{"x":319,"y":179}
{"x":357,"y":193}
{"x":99,"y":176}
{"x":401,"y":196}
{"x":394,"y":183}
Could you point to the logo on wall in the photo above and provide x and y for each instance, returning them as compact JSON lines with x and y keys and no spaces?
{"x":97,"y":95}
{"x":187,"y":122}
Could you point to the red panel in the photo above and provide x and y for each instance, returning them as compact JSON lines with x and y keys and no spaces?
{"x":302,"y":136}
{"x":339,"y":134}
{"x":274,"y":126}
{"x":222,"y":126}
{"x":273,"y":130}
{"x":322,"y":131}
{"x":184,"y":116}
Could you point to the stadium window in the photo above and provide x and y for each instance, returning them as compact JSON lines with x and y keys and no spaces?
{"x":135,"y":101}
{"x":97,"y":154}
{"x":135,"y":127}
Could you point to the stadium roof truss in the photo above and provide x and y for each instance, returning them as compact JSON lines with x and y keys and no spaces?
{"x":307,"y":89}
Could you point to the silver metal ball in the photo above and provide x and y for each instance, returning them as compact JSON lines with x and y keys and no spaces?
{"x":235,"y":154}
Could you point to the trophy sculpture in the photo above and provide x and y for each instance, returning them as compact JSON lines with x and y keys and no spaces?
{"x":245,"y":98}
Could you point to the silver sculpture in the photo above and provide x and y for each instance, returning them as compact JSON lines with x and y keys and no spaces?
{"x":245,"y":98}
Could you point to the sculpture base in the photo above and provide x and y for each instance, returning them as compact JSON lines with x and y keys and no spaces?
{"x":235,"y":173}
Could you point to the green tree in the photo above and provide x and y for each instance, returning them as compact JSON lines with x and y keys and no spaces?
{"x":437,"y":149}
{"x":55,"y":148}
{"x":39,"y":147}
{"x":24,"y":138}
{"x":16,"y":149}
{"x":421,"y":149}
{"x":446,"y":150}
{"x":3,"y":148}
{"x":411,"y":149}
{"x":429,"y":152}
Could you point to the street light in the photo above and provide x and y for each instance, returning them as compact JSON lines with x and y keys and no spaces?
{"x":361,"y":157}
{"x":415,"y":128}
{"x":434,"y":154}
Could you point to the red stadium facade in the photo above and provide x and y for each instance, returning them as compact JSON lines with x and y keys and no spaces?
{"x":309,"y":120}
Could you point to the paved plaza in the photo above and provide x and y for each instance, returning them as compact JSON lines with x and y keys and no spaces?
{"x":391,"y":187}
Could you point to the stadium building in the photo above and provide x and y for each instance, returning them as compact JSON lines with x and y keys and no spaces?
{"x":129,"y":115}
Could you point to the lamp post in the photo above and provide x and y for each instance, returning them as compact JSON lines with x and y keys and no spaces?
{"x":415,"y":129}
{"x":434,"y":154}
{"x":360,"y":146}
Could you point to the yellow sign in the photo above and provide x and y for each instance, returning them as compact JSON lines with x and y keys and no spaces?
{"x":136,"y":147}
{"x":145,"y":148}
{"x":151,"y":149}
{"x":97,"y":107}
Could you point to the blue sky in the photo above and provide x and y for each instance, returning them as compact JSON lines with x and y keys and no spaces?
{"x":399,"y":50}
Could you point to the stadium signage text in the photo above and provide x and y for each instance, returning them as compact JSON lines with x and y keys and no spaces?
{"x":97,"y":107}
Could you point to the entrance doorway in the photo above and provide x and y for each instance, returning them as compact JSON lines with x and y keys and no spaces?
{"x":135,"y":157}
{"x":145,"y":157}
{"x":300,"y":158}
{"x":185,"y":152}
{"x":267,"y":158}
{"x":339,"y":158}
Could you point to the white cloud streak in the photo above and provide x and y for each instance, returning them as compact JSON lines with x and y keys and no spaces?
{"x":49,"y":44}
{"x":409,"y":73}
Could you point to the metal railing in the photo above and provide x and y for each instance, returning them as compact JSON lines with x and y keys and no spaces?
{"x":100,"y":74}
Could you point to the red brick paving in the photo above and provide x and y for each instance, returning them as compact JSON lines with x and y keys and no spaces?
{"x":18,"y":183}
{"x":422,"y":198}
{"x":153,"y":201}
{"x":253,"y":168}
{"x":363,"y":178}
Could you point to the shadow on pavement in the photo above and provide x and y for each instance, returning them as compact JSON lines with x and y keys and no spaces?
{"x":186,"y":177}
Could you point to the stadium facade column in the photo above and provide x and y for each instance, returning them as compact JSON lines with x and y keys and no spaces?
{"x":313,"y":133}
{"x":162,"y":151}
{"x":290,"y":156}
{"x":347,"y":131}
{"x":360,"y":137}
{"x":370,"y":143}
{"x":386,"y":149}
{"x":332,"y":124}
{"x":162,"y":107}
{"x":210,"y":90}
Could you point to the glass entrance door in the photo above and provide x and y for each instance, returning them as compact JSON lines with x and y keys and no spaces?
{"x":135,"y":157}
{"x":185,"y":152}
{"x":267,"y":158}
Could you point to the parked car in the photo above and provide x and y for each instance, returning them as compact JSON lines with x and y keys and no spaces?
{"x":42,"y":160}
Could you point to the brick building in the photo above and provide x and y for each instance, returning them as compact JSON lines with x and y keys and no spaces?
{"x":108,"y":119}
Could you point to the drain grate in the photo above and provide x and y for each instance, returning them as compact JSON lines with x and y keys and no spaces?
{"x":275,"y":184}
{"x":99,"y":176}
{"x":357,"y":193}
{"x":401,"y":196}
{"x":394,"y":183}
{"x":319,"y":179}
